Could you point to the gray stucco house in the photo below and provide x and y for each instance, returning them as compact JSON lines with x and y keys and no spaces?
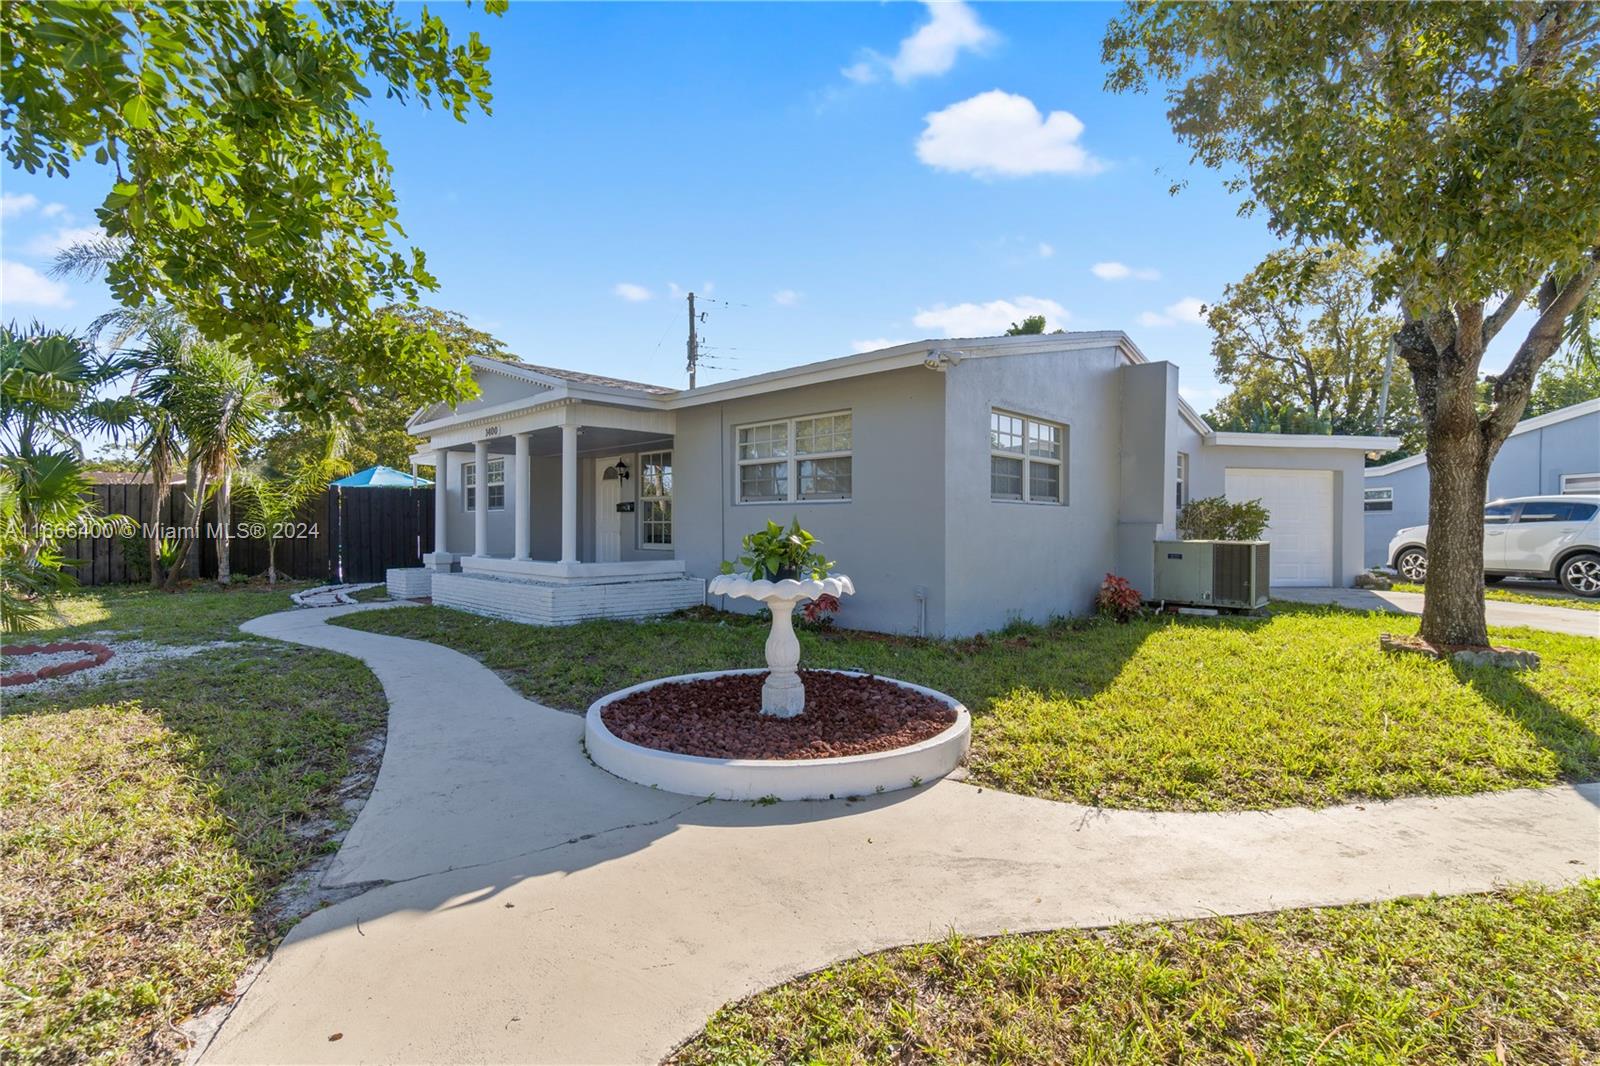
{"x":1556,"y":452}
{"x":960,"y":483}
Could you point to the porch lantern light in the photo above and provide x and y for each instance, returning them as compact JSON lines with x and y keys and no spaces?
{"x":621,"y":470}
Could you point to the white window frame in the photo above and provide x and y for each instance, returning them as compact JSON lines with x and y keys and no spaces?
{"x":1028,"y":460}
{"x":1183,"y":478}
{"x":646,"y":498}
{"x":791,"y":460}
{"x":495,"y":476}
{"x":1367,"y":496}
{"x":1574,"y":477}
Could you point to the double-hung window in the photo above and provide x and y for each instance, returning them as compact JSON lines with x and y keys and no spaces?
{"x":1027,"y":459}
{"x":655,"y":500}
{"x":1183,"y":479}
{"x":494,"y":483}
{"x":795,"y":459}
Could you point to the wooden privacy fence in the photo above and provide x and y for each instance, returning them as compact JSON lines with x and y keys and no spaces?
{"x":343,"y":535}
{"x":372,"y":529}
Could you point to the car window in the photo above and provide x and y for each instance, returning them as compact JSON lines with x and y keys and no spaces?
{"x":1499,"y":514}
{"x":1553,"y":511}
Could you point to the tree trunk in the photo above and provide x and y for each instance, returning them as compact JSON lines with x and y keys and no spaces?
{"x":224,"y":521}
{"x":272,"y":562}
{"x":195,"y":504}
{"x":163,"y":489}
{"x":1458,"y":471}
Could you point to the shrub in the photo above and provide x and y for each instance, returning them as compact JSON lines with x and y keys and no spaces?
{"x":1218,"y":518}
{"x":1117,"y":599}
{"x":818,"y":614}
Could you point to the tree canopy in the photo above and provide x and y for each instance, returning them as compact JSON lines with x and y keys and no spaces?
{"x":246,"y":188}
{"x":1460,"y":141}
{"x":1303,"y":348}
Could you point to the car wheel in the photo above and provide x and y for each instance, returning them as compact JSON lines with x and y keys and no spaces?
{"x":1493,"y":579}
{"x":1580,"y":575}
{"x":1413,"y":565}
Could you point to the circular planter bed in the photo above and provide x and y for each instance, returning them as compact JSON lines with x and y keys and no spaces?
{"x":705,"y":735}
{"x":51,"y":660}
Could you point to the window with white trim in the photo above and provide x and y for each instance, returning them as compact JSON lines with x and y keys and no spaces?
{"x":1027,"y":459}
{"x":1183,"y":479}
{"x":1580,"y":483}
{"x":795,"y":459}
{"x":1378,"y":499}
{"x":496,"y":483}
{"x":655,"y":500}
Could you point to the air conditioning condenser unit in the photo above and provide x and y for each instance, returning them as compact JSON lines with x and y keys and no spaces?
{"x":1212,"y":573}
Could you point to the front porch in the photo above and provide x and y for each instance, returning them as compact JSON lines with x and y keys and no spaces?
{"x":555,"y":515}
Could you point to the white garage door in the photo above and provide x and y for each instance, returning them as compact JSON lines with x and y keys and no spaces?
{"x":1301,"y":529}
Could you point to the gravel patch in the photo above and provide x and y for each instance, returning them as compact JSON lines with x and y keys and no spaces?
{"x":129,"y":657}
{"x":721,"y":718}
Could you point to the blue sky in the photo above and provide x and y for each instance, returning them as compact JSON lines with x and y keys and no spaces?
{"x":833,"y":176}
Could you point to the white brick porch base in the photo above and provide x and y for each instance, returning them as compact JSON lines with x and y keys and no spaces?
{"x":409,"y":583}
{"x":551,"y":604}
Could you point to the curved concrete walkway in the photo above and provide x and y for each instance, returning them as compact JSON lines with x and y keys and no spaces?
{"x":531,"y":908}
{"x":1574,"y":620}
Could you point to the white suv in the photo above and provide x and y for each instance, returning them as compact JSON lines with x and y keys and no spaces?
{"x":1531,"y":536}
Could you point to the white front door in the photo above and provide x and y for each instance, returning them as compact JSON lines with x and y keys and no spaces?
{"x":1300,"y":526}
{"x":607,"y":522}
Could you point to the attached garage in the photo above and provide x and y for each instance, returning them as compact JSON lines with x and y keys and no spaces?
{"x":1301,"y":529}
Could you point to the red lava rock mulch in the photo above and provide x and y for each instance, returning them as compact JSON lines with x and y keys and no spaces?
{"x":97,"y":654}
{"x":721,"y":718}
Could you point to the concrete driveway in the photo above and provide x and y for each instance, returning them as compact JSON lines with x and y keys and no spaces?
{"x":1571,"y":620}
{"x":525,"y":906}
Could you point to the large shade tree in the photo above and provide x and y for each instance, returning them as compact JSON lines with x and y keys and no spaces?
{"x":245,"y":186}
{"x":1305,"y":350}
{"x":1461,"y":140}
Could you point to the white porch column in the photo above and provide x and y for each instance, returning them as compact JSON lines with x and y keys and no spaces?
{"x":569,"y":492}
{"x":441,"y":505}
{"x":480,"y":498}
{"x":523,"y":497}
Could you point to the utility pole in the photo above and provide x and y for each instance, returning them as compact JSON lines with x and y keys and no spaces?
{"x":694,"y":343}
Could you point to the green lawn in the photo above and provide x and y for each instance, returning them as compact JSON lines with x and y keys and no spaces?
{"x":192,"y":615}
{"x":1192,"y":714}
{"x":1512,"y":978}
{"x":146,"y":822}
{"x":1507,"y":594}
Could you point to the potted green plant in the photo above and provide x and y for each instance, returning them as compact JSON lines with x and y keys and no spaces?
{"x":776,"y":553}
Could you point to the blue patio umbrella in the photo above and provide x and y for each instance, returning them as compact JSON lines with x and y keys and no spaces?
{"x":381,"y":477}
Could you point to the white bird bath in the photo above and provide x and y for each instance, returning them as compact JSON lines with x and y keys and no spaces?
{"x":782,"y":694}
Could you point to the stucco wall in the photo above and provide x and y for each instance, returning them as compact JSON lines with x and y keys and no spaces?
{"x":1208,"y":468}
{"x":1529,"y":464}
{"x":889,"y":537}
{"x":1008,"y":559}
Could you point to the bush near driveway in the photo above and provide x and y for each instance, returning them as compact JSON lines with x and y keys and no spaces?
{"x":1162,"y":713}
{"x":1511,"y":977}
{"x":145,"y":824}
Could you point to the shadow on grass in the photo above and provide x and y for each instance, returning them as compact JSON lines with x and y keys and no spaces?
{"x":1575,"y":746}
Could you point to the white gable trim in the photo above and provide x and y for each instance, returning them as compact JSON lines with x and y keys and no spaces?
{"x":1527,"y":425}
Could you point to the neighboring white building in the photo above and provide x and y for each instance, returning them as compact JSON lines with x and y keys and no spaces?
{"x":1557,"y":452}
{"x":960,"y":483}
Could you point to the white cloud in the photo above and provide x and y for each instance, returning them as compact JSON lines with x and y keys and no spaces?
{"x":1002,"y":135}
{"x":48,"y":244}
{"x":874,"y":345}
{"x":989,"y":319}
{"x":786,"y":297}
{"x":1115,"y":271}
{"x":631,"y":292}
{"x":21,"y":284}
{"x":1189,"y":311}
{"x":13,"y":204}
{"x":952,"y":28}
{"x":1046,"y":250}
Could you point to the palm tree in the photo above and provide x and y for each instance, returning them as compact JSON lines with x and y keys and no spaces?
{"x":221,"y":403}
{"x":48,"y":385}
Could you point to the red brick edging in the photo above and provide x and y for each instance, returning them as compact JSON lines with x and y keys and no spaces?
{"x":99,"y":654}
